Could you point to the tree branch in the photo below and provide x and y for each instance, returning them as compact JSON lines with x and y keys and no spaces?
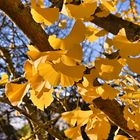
{"x":7,"y":57}
{"x":113,"y":24}
{"x":46,"y":126}
{"x":115,"y":113}
{"x":23,"y":19}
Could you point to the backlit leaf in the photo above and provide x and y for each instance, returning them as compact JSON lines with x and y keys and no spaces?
{"x":44,"y":15}
{"x":41,"y":101}
{"x":16,"y":92}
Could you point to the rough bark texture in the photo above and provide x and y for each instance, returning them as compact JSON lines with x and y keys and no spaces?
{"x":115,"y":113}
{"x":23,"y":19}
{"x":113,"y":24}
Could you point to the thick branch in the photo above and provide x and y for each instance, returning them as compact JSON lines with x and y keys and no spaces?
{"x":113,"y":24}
{"x":115,"y":113}
{"x":23,"y":19}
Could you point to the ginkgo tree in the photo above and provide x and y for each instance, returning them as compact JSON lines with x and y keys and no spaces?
{"x":108,"y":87}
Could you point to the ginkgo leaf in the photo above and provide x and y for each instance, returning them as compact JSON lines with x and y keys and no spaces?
{"x":79,"y":117}
{"x":16,"y":92}
{"x":40,"y":3}
{"x":97,"y":121}
{"x":132,"y":115}
{"x":108,"y":69}
{"x":108,"y":5}
{"x":99,"y":124}
{"x":107,"y":92}
{"x":4,"y":79}
{"x":60,"y":73}
{"x":44,"y":15}
{"x":134,"y":64}
{"x":42,"y":101}
{"x":68,"y":61}
{"x":73,"y":133}
{"x":33,"y":53}
{"x":75,"y":52}
{"x":30,"y":70}
{"x":75,"y":10}
{"x":88,"y":94}
{"x":38,"y":83}
{"x":69,"y":41}
{"x":90,"y":33}
{"x":89,"y":79}
{"x":134,"y":95}
{"x":126,"y":47}
{"x":120,"y":137}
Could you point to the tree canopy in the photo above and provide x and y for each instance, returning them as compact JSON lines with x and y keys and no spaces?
{"x":70,"y":68}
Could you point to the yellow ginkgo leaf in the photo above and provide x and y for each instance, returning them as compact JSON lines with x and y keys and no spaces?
{"x":88,"y":94}
{"x":30,"y":70}
{"x":93,"y":33}
{"x":44,"y":15}
{"x":90,"y":33}
{"x":108,"y":5}
{"x":33,"y":53}
{"x":4,"y":79}
{"x":69,"y":41}
{"x":108,"y":69}
{"x":107,"y":92}
{"x":16,"y":92}
{"x":134,"y":64}
{"x":97,"y":121}
{"x":37,"y":83}
{"x":75,"y":53}
{"x":42,"y":101}
{"x":89,"y":79}
{"x":133,"y":95}
{"x":126,"y":47}
{"x":75,"y":10}
{"x":120,"y":137}
{"x":60,"y":73}
{"x":79,"y":117}
{"x":73,"y":133}
{"x":131,"y":114}
{"x":73,"y":56}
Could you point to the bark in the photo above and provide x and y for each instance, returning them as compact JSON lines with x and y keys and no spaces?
{"x":23,"y":19}
{"x":113,"y":24}
{"x":115,"y":113}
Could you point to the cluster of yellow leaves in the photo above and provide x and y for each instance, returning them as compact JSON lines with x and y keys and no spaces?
{"x":90,"y":93}
{"x":132,"y":115}
{"x":46,"y":70}
{"x":92,"y":33}
{"x":43,"y":15}
{"x":125,"y":47}
{"x":88,"y":6}
{"x":94,"y":119}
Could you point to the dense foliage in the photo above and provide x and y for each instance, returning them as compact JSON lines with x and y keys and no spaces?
{"x":78,"y":76}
